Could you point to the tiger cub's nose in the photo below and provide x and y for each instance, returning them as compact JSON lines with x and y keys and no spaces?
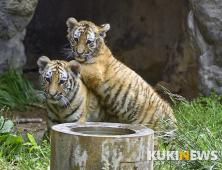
{"x":80,"y":52}
{"x":52,"y":94}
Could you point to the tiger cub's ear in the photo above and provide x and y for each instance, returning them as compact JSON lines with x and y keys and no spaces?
{"x":42,"y":62}
{"x":75,"y":68}
{"x":71,"y":23}
{"x":103,"y":29}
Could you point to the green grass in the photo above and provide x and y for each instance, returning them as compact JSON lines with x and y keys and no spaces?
{"x":199,"y":129}
{"x":17,"y":152}
{"x":16,"y":90}
{"x":31,"y":158}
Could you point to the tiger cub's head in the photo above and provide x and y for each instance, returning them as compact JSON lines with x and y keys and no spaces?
{"x":58,"y":78}
{"x":85,"y":39}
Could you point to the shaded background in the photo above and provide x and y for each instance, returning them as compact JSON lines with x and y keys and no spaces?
{"x":149,"y":36}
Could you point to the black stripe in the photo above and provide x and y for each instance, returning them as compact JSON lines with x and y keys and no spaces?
{"x":129,"y":106}
{"x":63,"y":65}
{"x":158,"y":103}
{"x":51,"y":110}
{"x":113,"y":63}
{"x":151,"y":98}
{"x":136,"y":81}
{"x":60,"y":69}
{"x":144,"y":115}
{"x":114,"y":108}
{"x":135,"y":109}
{"x":147,"y":92}
{"x":142,"y":108}
{"x":115,"y":96}
{"x":109,"y":55}
{"x":55,"y":67}
{"x":55,"y":106}
{"x":142,"y":92}
{"x":164,"y":107}
{"x":152,"y":114}
{"x":135,"y":100}
{"x":119,"y":66}
{"x":125,"y":95}
{"x":117,"y":71}
{"x":137,"y":95}
{"x":90,"y":63}
{"x":110,"y":88}
{"x":117,"y":112}
{"x":151,"y":119}
{"x":76,"y":119}
{"x":70,"y":81}
{"x":107,"y":98}
{"x":59,"y":63}
{"x":148,"y":107}
{"x":122,"y":113}
{"x":53,"y":120}
{"x":107,"y":80}
{"x":82,"y":79}
{"x":74,"y":109}
{"x":73,"y":97}
{"x":108,"y":64}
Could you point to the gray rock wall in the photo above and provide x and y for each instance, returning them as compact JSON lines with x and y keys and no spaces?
{"x":180,"y":74}
{"x":205,"y":28}
{"x":14,"y":17}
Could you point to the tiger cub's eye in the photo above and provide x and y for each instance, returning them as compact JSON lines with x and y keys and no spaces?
{"x":62,"y":82}
{"x":89,"y":42}
{"x":76,"y":39}
{"x":47,"y":79}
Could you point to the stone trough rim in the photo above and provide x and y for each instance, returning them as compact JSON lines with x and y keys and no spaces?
{"x":140,"y":131}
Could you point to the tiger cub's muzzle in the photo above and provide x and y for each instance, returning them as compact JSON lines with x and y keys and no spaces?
{"x":53,"y":95}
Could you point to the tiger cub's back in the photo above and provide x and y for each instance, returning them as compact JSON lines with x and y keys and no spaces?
{"x":122,"y":92}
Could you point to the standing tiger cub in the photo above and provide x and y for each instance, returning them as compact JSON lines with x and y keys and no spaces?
{"x":122,"y":92}
{"x":67,"y":98}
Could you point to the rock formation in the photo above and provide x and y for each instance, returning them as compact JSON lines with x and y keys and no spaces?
{"x":205,"y":28}
{"x":14,"y":17}
{"x":180,"y":74}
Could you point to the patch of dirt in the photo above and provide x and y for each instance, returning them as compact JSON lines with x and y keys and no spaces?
{"x":37,"y":129}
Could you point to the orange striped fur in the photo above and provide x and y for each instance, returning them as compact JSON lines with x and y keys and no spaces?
{"x":122,"y":92}
{"x":67,"y":98}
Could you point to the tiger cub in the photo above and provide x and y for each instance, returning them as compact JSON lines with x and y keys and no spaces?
{"x":122,"y":92}
{"x":67,"y":98}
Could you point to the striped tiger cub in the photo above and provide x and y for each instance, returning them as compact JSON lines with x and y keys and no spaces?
{"x":67,"y":98}
{"x":122,"y":92}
